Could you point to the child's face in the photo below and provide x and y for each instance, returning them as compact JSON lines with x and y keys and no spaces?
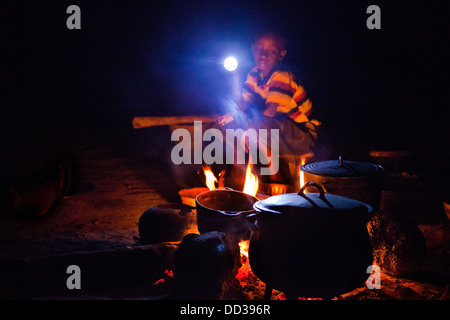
{"x":267,"y":52}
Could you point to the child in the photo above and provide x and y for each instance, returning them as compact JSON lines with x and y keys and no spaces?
{"x":272,"y":98}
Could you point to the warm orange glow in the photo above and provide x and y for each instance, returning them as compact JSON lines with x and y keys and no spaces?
{"x":245,"y":270}
{"x":278,"y":189}
{"x":302,"y":174}
{"x":243,"y":247}
{"x":251,"y":182}
{"x":210,"y":178}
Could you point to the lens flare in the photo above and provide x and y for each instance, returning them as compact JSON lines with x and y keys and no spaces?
{"x":230,"y":63}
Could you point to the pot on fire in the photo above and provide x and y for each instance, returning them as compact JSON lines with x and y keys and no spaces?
{"x":311,"y":245}
{"x":225,"y":210}
{"x":361,"y":181}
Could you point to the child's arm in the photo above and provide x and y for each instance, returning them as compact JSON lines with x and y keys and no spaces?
{"x":271,"y":109}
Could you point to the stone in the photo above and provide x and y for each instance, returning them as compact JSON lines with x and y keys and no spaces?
{"x":398,"y":244}
{"x":166,"y":223}
{"x":205,"y":264}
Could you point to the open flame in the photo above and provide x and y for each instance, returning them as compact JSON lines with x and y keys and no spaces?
{"x":245,"y":269}
{"x":210,"y":178}
{"x":251,"y":182}
{"x":302,"y":174}
{"x":243,"y":247}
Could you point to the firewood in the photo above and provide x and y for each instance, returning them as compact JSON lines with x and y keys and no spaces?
{"x":398,"y":244}
{"x":406,"y":289}
{"x":129,"y":271}
{"x":143,"y":122}
{"x":394,"y":288}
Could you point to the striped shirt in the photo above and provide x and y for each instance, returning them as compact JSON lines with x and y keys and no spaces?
{"x":281,"y":88}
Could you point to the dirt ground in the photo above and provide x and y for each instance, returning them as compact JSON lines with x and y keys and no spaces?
{"x":111,"y":187}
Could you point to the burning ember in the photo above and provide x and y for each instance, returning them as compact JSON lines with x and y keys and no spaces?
{"x":245,"y":270}
{"x":250,"y":284}
{"x":168,"y":273}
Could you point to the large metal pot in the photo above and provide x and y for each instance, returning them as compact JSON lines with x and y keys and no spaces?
{"x":311,"y":245}
{"x":225,"y":210}
{"x":361,"y":181}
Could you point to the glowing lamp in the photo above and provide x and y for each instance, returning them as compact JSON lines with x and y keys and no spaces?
{"x":230,"y":63}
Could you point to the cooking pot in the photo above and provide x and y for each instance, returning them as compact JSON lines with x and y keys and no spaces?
{"x":225,"y":210}
{"x":311,"y":245}
{"x":361,"y":181}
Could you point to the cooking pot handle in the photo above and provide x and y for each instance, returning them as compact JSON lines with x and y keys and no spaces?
{"x":246,"y":213}
{"x":312,"y":184}
{"x":321,"y":195}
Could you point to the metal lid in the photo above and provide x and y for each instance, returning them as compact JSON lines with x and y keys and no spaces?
{"x":312,"y":202}
{"x":341,"y":168}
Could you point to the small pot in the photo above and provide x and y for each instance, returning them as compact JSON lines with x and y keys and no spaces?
{"x":361,"y":181}
{"x":311,"y":245}
{"x":225,"y":210}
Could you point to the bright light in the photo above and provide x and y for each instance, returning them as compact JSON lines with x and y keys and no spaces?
{"x":230,"y":63}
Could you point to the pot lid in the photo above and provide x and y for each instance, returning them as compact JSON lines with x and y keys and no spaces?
{"x":312,"y":202}
{"x":341,"y":168}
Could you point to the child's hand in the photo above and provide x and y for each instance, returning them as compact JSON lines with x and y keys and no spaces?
{"x":227,"y":118}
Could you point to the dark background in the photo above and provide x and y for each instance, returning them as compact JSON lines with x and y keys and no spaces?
{"x":372,"y":89}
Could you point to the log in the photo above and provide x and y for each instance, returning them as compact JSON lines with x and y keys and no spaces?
{"x":398,"y":244}
{"x":143,"y":122}
{"x":393,"y":288}
{"x":406,"y":289}
{"x":123,"y":272}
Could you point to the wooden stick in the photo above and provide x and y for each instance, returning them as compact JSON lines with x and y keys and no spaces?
{"x":143,"y":122}
{"x":119,"y":272}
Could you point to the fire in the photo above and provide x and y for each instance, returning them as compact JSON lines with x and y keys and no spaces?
{"x":245,"y":269}
{"x":210,"y":178}
{"x":302,"y":174}
{"x":168,"y":273}
{"x":243,"y":247}
{"x":251,"y":182}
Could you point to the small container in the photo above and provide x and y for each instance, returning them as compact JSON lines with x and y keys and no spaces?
{"x":360,"y":181}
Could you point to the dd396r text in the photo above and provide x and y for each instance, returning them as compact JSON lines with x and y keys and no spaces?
{"x":247,"y":309}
